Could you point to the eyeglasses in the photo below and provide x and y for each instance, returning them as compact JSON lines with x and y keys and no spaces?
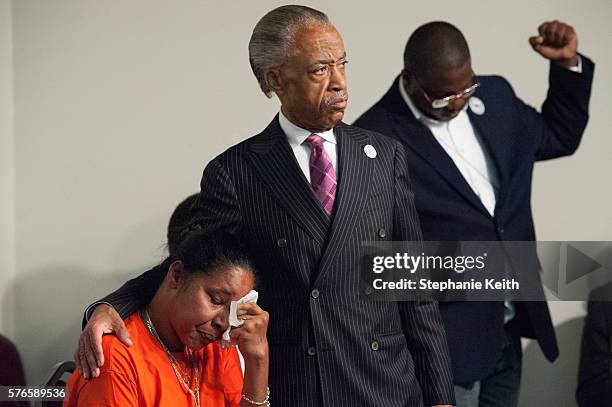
{"x":442,"y":103}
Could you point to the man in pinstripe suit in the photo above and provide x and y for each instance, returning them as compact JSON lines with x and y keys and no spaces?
{"x":303,"y":194}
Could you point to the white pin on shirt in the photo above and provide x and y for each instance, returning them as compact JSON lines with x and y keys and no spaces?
{"x":369,"y":150}
{"x":477,"y":106}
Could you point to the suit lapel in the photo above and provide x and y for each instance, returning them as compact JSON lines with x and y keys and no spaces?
{"x":418,"y":138}
{"x":355,"y":172}
{"x":275,"y":164}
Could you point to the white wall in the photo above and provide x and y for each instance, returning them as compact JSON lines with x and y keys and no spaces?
{"x":7,"y":172}
{"x":121,"y":104}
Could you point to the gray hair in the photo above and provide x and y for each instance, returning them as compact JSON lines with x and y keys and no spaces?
{"x":272,"y":38}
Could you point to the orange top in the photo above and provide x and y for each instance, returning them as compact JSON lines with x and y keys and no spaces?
{"x":141,"y":375}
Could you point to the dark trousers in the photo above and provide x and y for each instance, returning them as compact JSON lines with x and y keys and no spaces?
{"x":501,"y":387}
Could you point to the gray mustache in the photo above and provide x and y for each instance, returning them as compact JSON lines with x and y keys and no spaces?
{"x":336,"y":97}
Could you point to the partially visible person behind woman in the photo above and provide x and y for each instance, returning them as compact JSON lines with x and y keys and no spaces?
{"x":595,"y":372}
{"x":179,"y":223}
{"x":174,"y":358}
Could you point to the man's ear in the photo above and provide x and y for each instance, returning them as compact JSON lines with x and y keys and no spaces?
{"x":176,"y":274}
{"x":407,"y":76}
{"x":407,"y":81}
{"x":274,"y":80}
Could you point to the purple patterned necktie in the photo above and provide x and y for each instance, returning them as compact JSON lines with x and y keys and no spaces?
{"x":322,"y":174}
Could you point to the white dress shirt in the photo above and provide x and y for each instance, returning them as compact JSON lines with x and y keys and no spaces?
{"x":296,"y":136}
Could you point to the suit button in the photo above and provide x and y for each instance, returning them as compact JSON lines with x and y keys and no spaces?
{"x":314,"y":293}
{"x":500,"y":230}
{"x":368,"y":290}
{"x":382,"y":233}
{"x":311,"y":351}
{"x":374,"y":345}
{"x":282,"y":242}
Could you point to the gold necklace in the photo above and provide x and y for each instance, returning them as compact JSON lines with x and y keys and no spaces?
{"x":195,"y":393}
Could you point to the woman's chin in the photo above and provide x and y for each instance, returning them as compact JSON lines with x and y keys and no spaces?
{"x":198,"y":341}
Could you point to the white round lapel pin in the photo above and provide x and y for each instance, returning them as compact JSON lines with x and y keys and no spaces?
{"x":369,"y":150}
{"x":477,"y":105}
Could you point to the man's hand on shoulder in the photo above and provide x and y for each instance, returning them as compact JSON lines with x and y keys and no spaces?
{"x":558,"y":42}
{"x":89,"y":356}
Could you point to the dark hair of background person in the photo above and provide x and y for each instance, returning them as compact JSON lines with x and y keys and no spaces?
{"x":436,"y":44}
{"x":178,"y":226}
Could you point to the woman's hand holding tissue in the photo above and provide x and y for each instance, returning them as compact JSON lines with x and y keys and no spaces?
{"x":251,"y":336}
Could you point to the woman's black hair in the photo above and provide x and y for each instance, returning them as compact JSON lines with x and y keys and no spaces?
{"x":179,"y":222}
{"x":202,"y":252}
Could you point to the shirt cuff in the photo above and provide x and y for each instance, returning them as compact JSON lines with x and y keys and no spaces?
{"x":578,"y":67}
{"x":93,"y":306}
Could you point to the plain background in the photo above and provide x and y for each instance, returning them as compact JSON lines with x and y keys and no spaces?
{"x":110,"y":110}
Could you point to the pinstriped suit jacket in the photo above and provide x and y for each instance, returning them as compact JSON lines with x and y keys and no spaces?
{"x":327,"y":347}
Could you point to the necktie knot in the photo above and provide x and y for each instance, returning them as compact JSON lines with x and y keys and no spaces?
{"x":315,"y":141}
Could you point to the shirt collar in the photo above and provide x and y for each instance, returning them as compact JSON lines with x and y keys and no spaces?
{"x":297,"y":135}
{"x":418,"y":114}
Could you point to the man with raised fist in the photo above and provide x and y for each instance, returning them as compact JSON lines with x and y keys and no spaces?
{"x":471,"y":145}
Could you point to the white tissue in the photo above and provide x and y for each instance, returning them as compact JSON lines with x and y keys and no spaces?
{"x":233,"y":316}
